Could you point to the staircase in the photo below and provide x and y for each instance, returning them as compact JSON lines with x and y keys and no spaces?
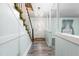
{"x":19,"y":8}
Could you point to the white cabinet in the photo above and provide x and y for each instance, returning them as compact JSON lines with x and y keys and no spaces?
{"x":66,"y":46}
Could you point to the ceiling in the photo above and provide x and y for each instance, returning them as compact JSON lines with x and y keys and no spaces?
{"x":41,"y":8}
{"x":63,"y":10}
{"x":69,"y":9}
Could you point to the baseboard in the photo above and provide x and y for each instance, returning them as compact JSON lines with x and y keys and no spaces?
{"x":26,"y":52}
{"x":38,"y":39}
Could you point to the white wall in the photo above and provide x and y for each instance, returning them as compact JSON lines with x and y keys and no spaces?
{"x":14,"y":40}
{"x":57,"y":24}
{"x":75,"y":24}
{"x":7,"y":23}
{"x":53,"y":26}
{"x":39,"y":25}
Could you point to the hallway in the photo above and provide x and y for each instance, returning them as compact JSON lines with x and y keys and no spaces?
{"x":53,"y":32}
{"x":40,"y":48}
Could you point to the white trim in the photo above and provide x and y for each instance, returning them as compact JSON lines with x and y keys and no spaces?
{"x":69,"y":37}
{"x":7,"y":38}
{"x":25,"y":53}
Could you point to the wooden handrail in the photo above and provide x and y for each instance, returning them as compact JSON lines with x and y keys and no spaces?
{"x":30,"y":24}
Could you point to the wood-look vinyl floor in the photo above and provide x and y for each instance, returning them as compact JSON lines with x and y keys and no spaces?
{"x":40,"y":48}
